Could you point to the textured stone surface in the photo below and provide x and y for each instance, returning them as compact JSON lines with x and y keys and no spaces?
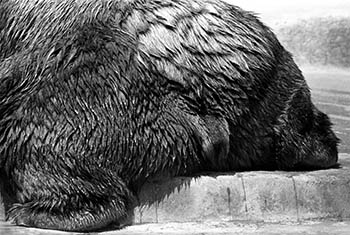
{"x":323,"y":196}
{"x":273,"y":196}
{"x":206,"y":228}
{"x":270,"y":197}
{"x":185,"y":199}
{"x":207,"y":198}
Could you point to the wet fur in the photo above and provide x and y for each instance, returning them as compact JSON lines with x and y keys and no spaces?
{"x":97,"y":96}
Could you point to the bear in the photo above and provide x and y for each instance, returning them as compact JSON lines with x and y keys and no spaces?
{"x":97,"y":96}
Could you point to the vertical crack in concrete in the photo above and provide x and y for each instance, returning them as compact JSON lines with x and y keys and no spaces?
{"x":244,"y":196}
{"x":229,"y":201}
{"x":296,"y":199}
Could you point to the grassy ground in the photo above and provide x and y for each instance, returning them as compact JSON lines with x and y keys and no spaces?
{"x":331,"y":93}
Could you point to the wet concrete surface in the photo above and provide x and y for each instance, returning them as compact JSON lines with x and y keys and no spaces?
{"x":224,"y":227}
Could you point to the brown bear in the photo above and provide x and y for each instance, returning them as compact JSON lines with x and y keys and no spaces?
{"x":96,"y":96}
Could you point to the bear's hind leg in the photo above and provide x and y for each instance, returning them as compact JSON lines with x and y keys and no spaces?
{"x":87,"y":202}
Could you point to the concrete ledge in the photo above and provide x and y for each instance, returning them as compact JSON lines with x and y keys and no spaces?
{"x":249,"y":196}
{"x":259,"y":196}
{"x":205,"y":228}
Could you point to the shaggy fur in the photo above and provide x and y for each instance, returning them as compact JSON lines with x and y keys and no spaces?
{"x":98,"y":95}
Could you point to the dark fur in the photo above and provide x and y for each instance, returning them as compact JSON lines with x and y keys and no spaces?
{"x":97,"y":96}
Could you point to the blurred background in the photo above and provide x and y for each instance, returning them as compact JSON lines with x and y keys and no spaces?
{"x":277,"y":13}
{"x":317,"y":33}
